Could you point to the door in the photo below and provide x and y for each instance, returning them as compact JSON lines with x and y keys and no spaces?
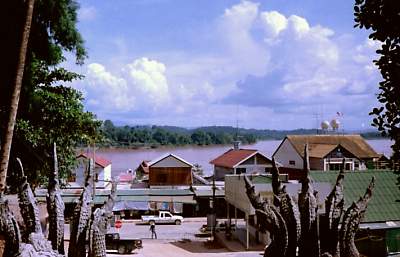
{"x":168,"y":217}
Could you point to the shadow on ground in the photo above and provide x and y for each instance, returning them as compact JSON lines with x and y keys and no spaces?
{"x":199,"y":246}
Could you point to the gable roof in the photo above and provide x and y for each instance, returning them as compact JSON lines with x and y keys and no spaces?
{"x":384,"y":204}
{"x":233,"y":157}
{"x":98,"y":160}
{"x":321,"y":145}
{"x":166,"y":156}
{"x":144,"y":166}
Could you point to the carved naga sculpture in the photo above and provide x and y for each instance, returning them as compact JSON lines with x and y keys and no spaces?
{"x":289,"y":211}
{"x":36,"y":244}
{"x":55,"y":208}
{"x":334,"y":205}
{"x":27,"y":203}
{"x":283,"y":223}
{"x":309,"y":241}
{"x":270,"y":220}
{"x":9,"y":229}
{"x":81,"y":218}
{"x":351,"y":220}
{"x":100,"y":225}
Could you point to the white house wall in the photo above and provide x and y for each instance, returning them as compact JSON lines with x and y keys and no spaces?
{"x":107,"y":173}
{"x":170,"y":162}
{"x":286,"y":153}
{"x":80,"y":171}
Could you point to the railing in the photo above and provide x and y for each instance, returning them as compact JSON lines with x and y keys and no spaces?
{"x":383,"y":165}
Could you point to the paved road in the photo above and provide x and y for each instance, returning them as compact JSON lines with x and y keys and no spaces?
{"x":166,"y":231}
{"x":163,"y":248}
{"x":173,"y":241}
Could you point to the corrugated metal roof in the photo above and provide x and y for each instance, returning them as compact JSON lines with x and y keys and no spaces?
{"x":384,"y":205}
{"x":124,"y":194}
{"x":319,"y":145}
{"x":320,"y":150}
{"x":209,"y":193}
{"x":99,"y":160}
{"x":234,"y":157}
{"x":260,"y":179}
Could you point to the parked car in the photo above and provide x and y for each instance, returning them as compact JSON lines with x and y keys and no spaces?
{"x":163,"y":217}
{"x":123,"y":246}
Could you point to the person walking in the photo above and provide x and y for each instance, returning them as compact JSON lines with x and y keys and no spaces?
{"x":153,"y":231}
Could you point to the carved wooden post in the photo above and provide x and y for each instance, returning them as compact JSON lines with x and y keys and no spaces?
{"x":81,"y":219}
{"x":9,"y":229}
{"x":55,"y":208}
{"x":334,"y":205}
{"x":27,"y":203}
{"x":270,"y":220}
{"x":282,"y":226}
{"x":351,"y":221}
{"x":100,"y":225}
{"x":288,"y":210}
{"x":309,"y":241}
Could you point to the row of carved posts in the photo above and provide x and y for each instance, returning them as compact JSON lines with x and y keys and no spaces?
{"x":295,"y":229}
{"x":87,"y":226}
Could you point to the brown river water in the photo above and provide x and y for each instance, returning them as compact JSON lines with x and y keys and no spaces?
{"x":124,"y":159}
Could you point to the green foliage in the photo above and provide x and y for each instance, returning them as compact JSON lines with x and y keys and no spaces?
{"x":48,"y":112}
{"x":143,"y":136}
{"x":383,"y":18}
{"x":56,"y":114}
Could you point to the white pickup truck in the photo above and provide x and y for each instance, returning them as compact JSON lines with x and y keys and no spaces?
{"x":163,"y":217}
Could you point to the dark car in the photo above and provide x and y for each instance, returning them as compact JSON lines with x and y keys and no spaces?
{"x":123,"y":246}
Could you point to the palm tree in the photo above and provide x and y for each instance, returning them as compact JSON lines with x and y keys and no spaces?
{"x":8,"y":135}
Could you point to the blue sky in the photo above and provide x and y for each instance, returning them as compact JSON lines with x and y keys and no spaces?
{"x":268,"y":64}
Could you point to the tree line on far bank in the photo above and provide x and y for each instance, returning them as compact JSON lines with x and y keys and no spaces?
{"x":154,"y":136}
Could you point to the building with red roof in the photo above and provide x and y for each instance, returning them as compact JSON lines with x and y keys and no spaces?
{"x":102,"y":171}
{"x":238,"y":161}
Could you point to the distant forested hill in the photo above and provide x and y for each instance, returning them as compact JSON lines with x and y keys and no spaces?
{"x":153,"y":136}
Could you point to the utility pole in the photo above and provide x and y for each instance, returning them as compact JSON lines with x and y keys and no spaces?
{"x":213,"y":210}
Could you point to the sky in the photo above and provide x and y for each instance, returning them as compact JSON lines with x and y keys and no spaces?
{"x":273,"y":64}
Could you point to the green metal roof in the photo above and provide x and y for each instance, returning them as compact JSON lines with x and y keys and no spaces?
{"x":384,"y":205}
{"x":260,"y":180}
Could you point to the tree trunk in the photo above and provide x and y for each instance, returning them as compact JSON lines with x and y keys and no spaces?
{"x":8,"y":135}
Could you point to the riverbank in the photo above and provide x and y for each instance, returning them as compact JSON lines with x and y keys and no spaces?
{"x":124,"y":159}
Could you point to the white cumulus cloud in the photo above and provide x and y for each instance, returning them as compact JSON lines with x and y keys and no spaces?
{"x":264,"y":61}
{"x":148,"y":80}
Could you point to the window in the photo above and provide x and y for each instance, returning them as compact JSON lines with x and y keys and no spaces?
{"x":291,"y":162}
{"x":334,"y":166}
{"x":240,"y":170}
